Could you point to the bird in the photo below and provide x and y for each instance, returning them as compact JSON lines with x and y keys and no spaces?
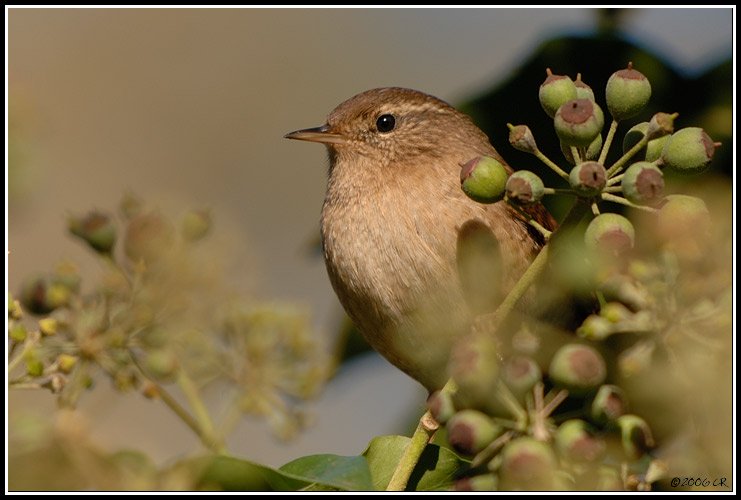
{"x":411,"y":258}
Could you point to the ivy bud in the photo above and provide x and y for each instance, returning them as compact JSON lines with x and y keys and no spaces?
{"x":440,"y":405}
{"x":470,"y":431}
{"x":578,"y":122}
{"x":15,"y":311}
{"x":610,"y":232}
{"x":66,"y":362}
{"x":577,"y":442}
{"x":595,"y":327}
{"x":588,"y":178}
{"x":48,"y":326}
{"x":34,"y":366}
{"x":161,"y":364}
{"x":196,"y":224}
{"x":41,"y":296}
{"x":520,"y":374}
{"x":527,"y":464}
{"x":635,"y":434}
{"x":592,"y":151}
{"x":653,"y":149}
{"x":643,"y":183}
{"x":578,"y":368}
{"x":627,"y":92}
{"x":520,"y":137}
{"x":688,"y":151}
{"x":483,"y":179}
{"x":96,"y":229}
{"x":554,"y":91}
{"x":661,"y":125}
{"x":147,"y":237}
{"x":608,"y":404}
{"x":18,"y":333}
{"x":524,"y":188}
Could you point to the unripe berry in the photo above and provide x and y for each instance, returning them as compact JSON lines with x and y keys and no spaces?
{"x":554,"y":91}
{"x":608,"y":404}
{"x":583,"y":91}
{"x":688,"y":151}
{"x":527,"y":464}
{"x":611,"y":233}
{"x":627,"y":92}
{"x":196,"y":224}
{"x":643,"y":183}
{"x":576,"y":441}
{"x":482,"y":482}
{"x":474,"y":367}
{"x":520,"y":374}
{"x":578,"y":368}
{"x":578,"y":122}
{"x":483,"y":179}
{"x":440,"y":405}
{"x":524,"y":187}
{"x":588,"y":178}
{"x":470,"y":431}
{"x":635,"y":435}
{"x":595,"y":327}
{"x":96,"y":229}
{"x":521,"y":137}
{"x":653,"y":149}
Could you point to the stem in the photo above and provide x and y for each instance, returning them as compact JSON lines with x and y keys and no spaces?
{"x":27,"y":346}
{"x":539,"y":155}
{"x":627,"y":156}
{"x":199,"y":408}
{"x":608,"y":142}
{"x":623,"y":201}
{"x":595,"y":209}
{"x":575,"y":154}
{"x":614,"y":180}
{"x":613,"y":189}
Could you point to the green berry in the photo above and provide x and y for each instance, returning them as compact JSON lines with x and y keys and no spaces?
{"x":588,"y":178}
{"x":482,"y":482}
{"x":653,"y":149}
{"x":440,"y":405}
{"x":608,"y":479}
{"x":34,"y":366}
{"x":161,"y":364}
{"x":520,"y":137}
{"x":554,"y":91}
{"x":520,"y":374}
{"x":583,"y":91}
{"x":577,"y":442}
{"x":627,"y":93}
{"x":470,"y":431}
{"x":615,"y":312}
{"x":527,"y":464}
{"x":578,"y":122}
{"x":595,"y":327}
{"x":524,"y":188}
{"x":661,"y":125}
{"x":474,"y":367}
{"x":635,"y":435}
{"x":96,"y":229}
{"x":682,"y":217}
{"x":18,"y":333}
{"x":643,"y":183}
{"x":611,"y":233}
{"x":66,"y":362}
{"x":608,"y":404}
{"x":48,"y":326}
{"x":483,"y":179}
{"x":592,"y":151}
{"x":688,"y":151}
{"x":578,"y":368}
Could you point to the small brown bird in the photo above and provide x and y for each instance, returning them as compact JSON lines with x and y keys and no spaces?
{"x":411,"y":258}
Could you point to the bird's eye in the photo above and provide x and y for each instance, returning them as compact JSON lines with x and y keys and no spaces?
{"x":385,"y":123}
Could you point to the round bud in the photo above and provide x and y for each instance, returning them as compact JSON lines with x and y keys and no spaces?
{"x":470,"y":431}
{"x":34,"y":366}
{"x":576,"y":441}
{"x":615,"y":312}
{"x":635,"y":434}
{"x":482,"y":482}
{"x":483,"y":179}
{"x":147,"y":237}
{"x":661,"y":125}
{"x":578,"y":122}
{"x":608,"y":479}
{"x":608,"y":404}
{"x":524,"y":187}
{"x":643,"y":183}
{"x":627,"y":92}
{"x":66,"y":362}
{"x":583,"y":91}
{"x":521,"y":137}
{"x":161,"y":364}
{"x":41,"y":296}
{"x":592,"y":151}
{"x":588,"y":178}
{"x":688,"y":151}
{"x":18,"y":333}
{"x":653,"y":149}
{"x":440,"y":405}
{"x":595,"y":327}
{"x":554,"y":91}
{"x":520,"y":374}
{"x":48,"y":326}
{"x":196,"y":224}
{"x":611,"y":233}
{"x":527,"y":464}
{"x":474,"y":367}
{"x":96,"y":229}
{"x":683,"y":218}
{"x":578,"y":368}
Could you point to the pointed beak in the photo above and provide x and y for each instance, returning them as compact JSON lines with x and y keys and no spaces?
{"x":321,"y":134}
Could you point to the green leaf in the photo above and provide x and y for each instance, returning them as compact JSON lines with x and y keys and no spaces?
{"x":435,"y":470}
{"x":232,"y":474}
{"x":343,"y":473}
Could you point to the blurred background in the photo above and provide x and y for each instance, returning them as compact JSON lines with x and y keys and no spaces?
{"x":187,"y":108}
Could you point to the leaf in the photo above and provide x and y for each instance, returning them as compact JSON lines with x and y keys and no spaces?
{"x":344,"y":473}
{"x":435,"y":470}
{"x":231,"y":474}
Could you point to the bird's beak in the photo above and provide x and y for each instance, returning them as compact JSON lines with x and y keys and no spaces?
{"x":321,"y":134}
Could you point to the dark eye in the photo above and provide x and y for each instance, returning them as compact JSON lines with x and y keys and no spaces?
{"x":385,"y":123}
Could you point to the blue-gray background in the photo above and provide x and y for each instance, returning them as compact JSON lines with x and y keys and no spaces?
{"x":187,"y":107}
